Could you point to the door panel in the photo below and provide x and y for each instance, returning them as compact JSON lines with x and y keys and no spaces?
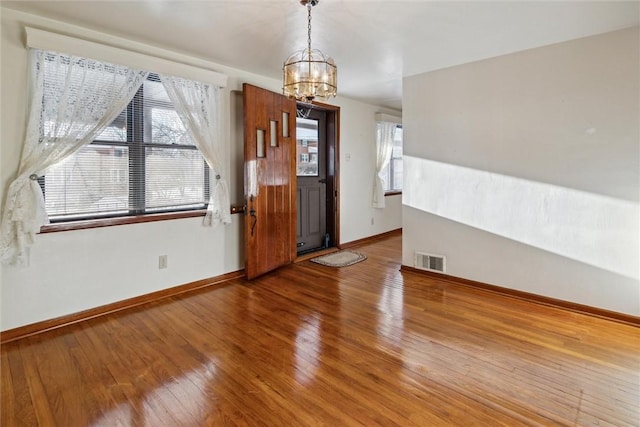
{"x":270,"y":181}
{"x":314,"y":201}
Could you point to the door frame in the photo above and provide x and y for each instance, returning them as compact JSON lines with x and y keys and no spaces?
{"x":332,"y":154}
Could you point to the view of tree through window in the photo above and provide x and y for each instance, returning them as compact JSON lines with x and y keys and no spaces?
{"x":144,"y":161}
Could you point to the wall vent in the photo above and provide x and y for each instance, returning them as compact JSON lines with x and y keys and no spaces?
{"x":429,"y":262}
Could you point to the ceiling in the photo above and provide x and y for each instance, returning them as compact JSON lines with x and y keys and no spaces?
{"x":374,"y":43}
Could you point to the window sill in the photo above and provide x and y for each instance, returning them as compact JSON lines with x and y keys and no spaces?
{"x":108,"y":222}
{"x":392,"y":193}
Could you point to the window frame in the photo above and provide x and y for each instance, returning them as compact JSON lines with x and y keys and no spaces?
{"x":136,"y":146}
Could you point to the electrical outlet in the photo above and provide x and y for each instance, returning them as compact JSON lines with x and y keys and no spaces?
{"x":162,"y":261}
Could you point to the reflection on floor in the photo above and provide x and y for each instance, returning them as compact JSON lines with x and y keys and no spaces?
{"x":310,"y":345}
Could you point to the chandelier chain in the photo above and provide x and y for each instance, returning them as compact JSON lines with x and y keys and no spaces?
{"x":309,"y":74}
{"x":309,"y":25}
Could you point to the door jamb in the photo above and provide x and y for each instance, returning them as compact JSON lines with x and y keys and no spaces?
{"x":333,"y":167}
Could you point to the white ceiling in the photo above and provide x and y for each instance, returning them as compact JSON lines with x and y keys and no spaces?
{"x":374,"y":43}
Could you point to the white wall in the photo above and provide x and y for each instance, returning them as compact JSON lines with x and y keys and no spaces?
{"x":78,"y":270}
{"x":523,"y":170}
{"x":357,"y":169}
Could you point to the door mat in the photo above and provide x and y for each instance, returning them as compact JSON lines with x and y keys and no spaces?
{"x":340,"y":259}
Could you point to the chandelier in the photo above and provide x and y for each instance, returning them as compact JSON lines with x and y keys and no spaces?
{"x":309,"y":73}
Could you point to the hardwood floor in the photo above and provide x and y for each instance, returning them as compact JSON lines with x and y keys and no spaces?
{"x":312,"y":345}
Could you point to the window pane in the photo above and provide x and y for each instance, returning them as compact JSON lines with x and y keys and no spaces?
{"x":175,"y":178}
{"x":155,"y":93}
{"x":166,"y":127}
{"x":396,"y":162}
{"x":162,"y":123}
{"x":93,"y":181}
{"x":384,"y":176}
{"x":307,"y":147}
{"x":391,"y":175}
{"x":398,"y":136}
{"x":397,"y":174}
{"x":116,"y":131}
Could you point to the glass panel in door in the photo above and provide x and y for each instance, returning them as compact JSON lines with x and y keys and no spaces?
{"x":307,"y":147}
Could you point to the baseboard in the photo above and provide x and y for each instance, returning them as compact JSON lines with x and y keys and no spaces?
{"x":371,"y":239}
{"x":47,"y":325}
{"x":527,"y":296}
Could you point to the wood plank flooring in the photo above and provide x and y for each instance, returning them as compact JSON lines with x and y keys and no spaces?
{"x":310,"y":345}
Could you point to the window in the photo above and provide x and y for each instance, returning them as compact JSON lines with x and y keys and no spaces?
{"x":143,"y":162}
{"x":307,"y":147}
{"x":113,"y":166}
{"x":392,"y":173}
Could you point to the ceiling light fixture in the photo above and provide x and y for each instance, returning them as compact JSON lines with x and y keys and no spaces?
{"x":309,"y":73}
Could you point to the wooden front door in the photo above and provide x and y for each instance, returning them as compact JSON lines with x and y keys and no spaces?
{"x":270,"y":180}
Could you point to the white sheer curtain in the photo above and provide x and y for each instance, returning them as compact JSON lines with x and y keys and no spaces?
{"x":385,"y":132}
{"x":71,"y":101}
{"x":200,"y":108}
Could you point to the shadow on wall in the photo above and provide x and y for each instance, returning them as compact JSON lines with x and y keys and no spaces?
{"x":597,"y":230}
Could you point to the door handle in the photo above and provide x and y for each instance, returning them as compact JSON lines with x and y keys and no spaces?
{"x":254,"y":217}
{"x":322,"y":181}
